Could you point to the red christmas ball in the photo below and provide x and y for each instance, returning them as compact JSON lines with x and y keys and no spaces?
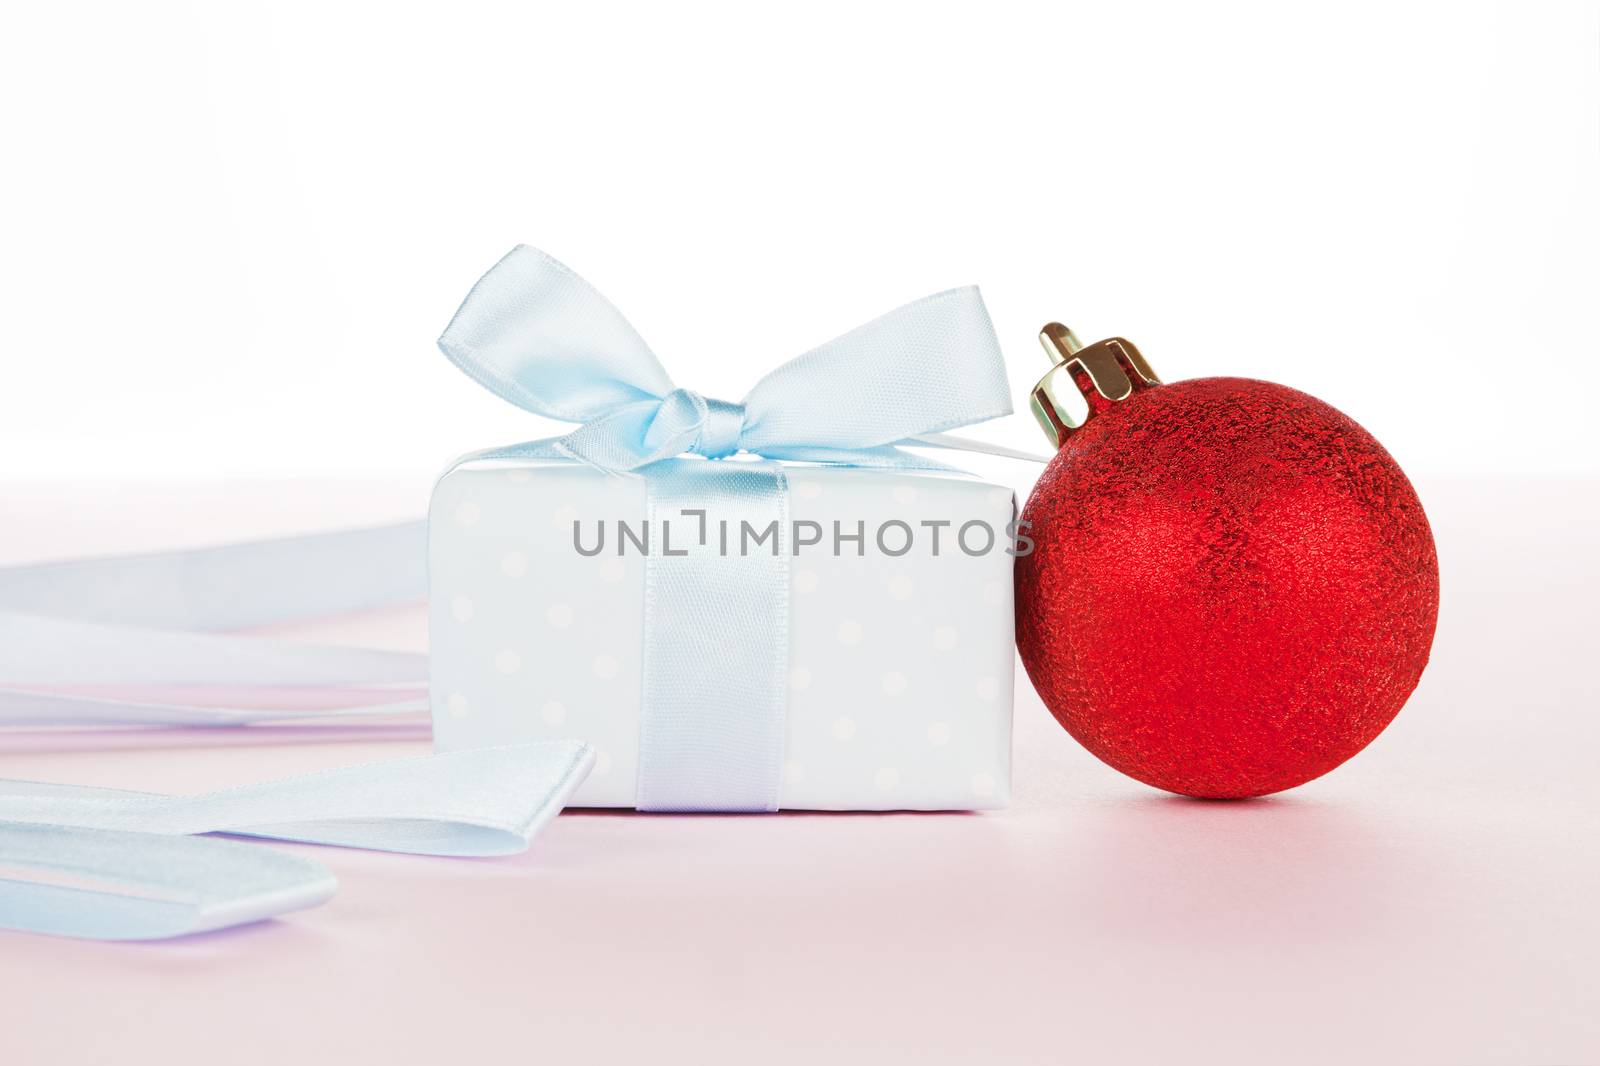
{"x":1233,"y":587}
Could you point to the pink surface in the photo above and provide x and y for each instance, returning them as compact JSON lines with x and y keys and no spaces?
{"x":1431,"y":901}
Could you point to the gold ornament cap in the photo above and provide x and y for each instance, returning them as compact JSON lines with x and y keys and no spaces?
{"x":1101,"y":374}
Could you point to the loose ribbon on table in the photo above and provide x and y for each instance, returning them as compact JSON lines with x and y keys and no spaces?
{"x":714,"y":684}
{"x":488,"y":801}
{"x":104,"y":863}
{"x":123,"y":640}
{"x":103,"y":884}
{"x":78,"y":636}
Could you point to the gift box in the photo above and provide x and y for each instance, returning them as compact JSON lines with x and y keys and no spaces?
{"x":896,"y":597}
{"x":743,"y":606}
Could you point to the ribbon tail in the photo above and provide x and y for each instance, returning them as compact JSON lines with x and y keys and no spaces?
{"x":33,"y":709}
{"x":109,"y":885}
{"x":44,"y":653}
{"x":485,"y":801}
{"x":113,"y":641}
{"x":231,"y":586}
{"x":976,"y":447}
{"x":884,"y":457}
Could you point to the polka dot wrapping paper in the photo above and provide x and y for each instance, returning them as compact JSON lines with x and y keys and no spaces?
{"x":899,"y":612}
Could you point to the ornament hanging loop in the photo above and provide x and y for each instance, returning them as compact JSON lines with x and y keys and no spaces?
{"x":1101,"y":374}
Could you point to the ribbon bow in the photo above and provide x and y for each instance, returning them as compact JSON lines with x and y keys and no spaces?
{"x":536,"y":334}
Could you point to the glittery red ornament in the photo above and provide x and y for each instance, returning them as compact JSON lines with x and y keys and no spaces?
{"x":1233,"y":587}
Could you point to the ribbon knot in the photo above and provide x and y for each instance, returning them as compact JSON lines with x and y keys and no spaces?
{"x":689,"y":422}
{"x":536,"y":334}
{"x":720,"y":432}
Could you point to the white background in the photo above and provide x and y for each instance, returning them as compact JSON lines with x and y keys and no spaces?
{"x":232,"y":233}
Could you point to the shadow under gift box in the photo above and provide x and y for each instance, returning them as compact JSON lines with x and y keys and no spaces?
{"x":900,"y":648}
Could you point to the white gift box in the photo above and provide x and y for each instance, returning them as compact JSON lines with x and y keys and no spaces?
{"x":900,"y":654}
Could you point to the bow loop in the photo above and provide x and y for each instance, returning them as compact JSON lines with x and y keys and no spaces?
{"x":536,"y":334}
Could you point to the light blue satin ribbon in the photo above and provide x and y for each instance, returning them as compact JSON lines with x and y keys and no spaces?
{"x":81,"y":639}
{"x":716,"y":626}
{"x":77,"y":637}
{"x":488,"y":801}
{"x":102,"y":863}
{"x":536,"y":334}
{"x":715,"y":682}
{"x":109,"y":885}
